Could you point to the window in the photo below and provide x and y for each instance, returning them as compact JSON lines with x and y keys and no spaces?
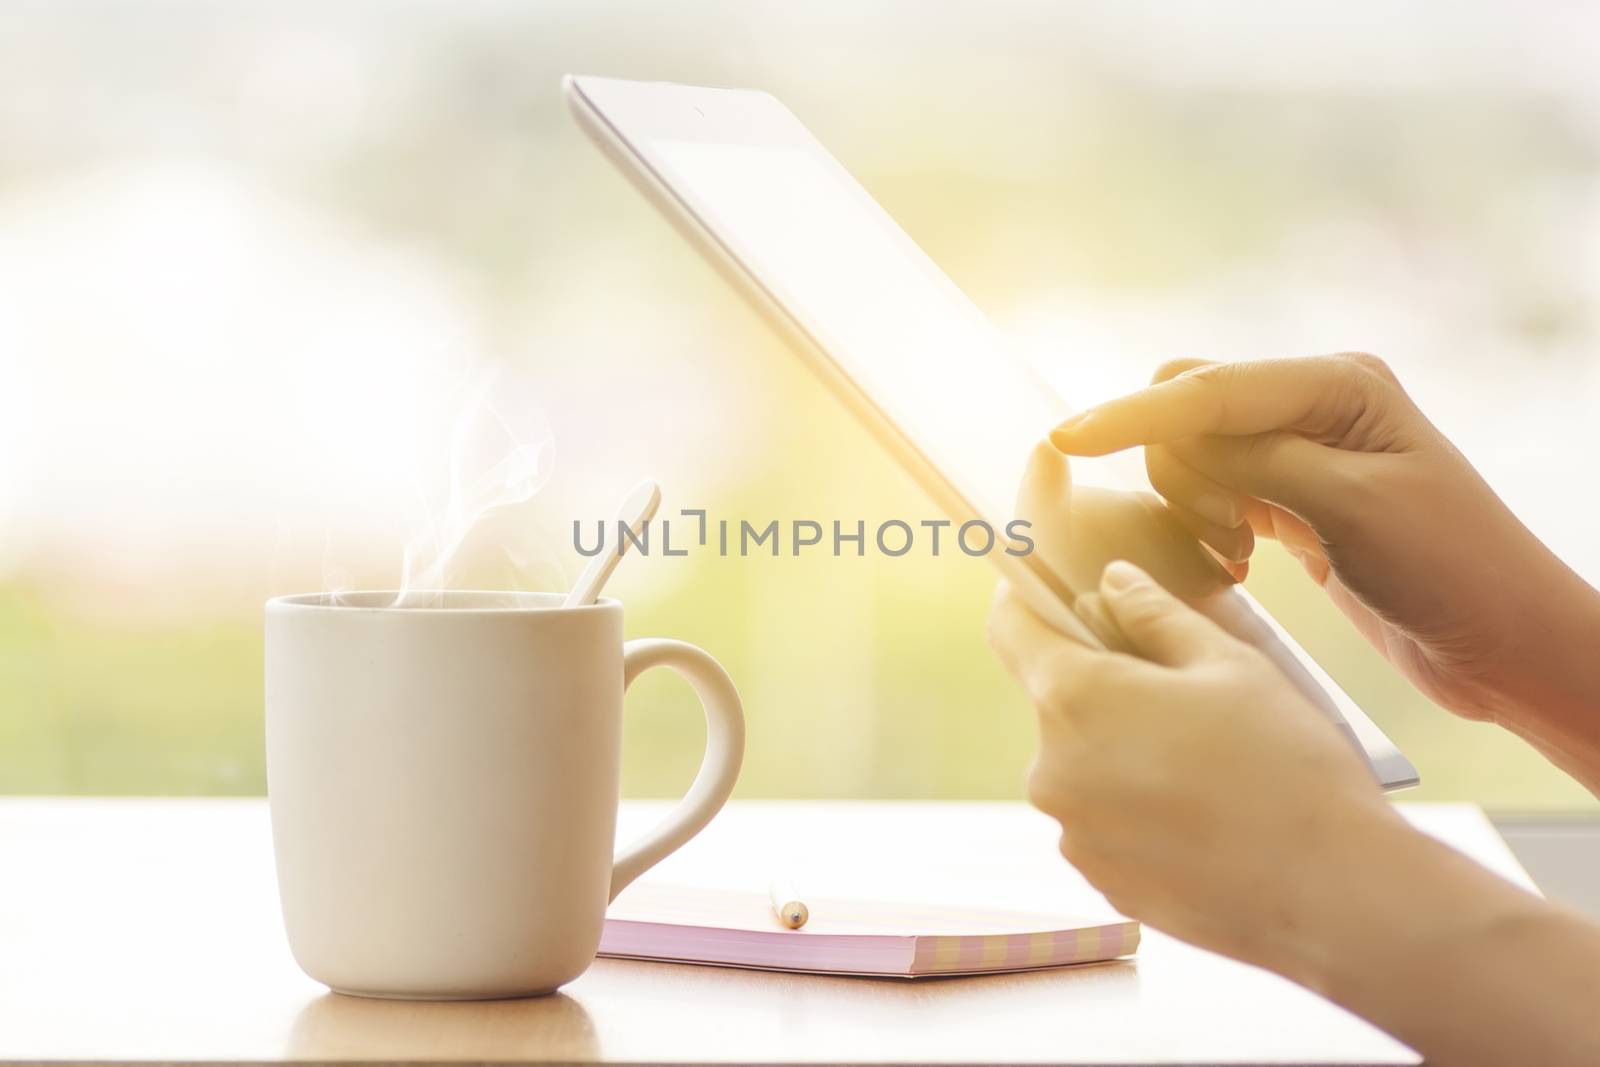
{"x":251,"y":268}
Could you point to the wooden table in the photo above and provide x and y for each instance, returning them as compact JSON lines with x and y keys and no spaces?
{"x":136,"y":931}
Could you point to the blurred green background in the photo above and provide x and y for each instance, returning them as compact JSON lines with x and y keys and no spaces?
{"x":245,"y":254}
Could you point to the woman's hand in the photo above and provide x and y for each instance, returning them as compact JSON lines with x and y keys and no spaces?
{"x":1329,"y":456}
{"x":1205,"y":796}
{"x":1184,"y":780}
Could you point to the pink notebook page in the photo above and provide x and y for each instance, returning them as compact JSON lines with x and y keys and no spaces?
{"x":736,"y":929}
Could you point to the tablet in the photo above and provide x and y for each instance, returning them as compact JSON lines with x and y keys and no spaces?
{"x":896,"y":340}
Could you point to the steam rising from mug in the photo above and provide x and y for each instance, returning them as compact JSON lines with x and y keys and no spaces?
{"x":500,"y":455}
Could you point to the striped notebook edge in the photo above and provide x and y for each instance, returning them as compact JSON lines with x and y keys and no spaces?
{"x":865,"y":937}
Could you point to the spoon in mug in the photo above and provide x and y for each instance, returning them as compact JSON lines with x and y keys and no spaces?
{"x":636,"y":510}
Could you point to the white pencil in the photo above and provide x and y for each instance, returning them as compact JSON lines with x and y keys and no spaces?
{"x":787,"y":905}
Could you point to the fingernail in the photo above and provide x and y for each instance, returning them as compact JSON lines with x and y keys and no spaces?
{"x":1062,"y":436}
{"x":1121,"y":575}
{"x":1218,"y":508}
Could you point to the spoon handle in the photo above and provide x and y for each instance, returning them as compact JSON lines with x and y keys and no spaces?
{"x":635,"y":511}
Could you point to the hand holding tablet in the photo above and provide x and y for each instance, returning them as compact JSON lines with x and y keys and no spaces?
{"x":906,"y":350}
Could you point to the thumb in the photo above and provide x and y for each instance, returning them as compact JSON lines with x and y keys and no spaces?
{"x":1157,"y":624}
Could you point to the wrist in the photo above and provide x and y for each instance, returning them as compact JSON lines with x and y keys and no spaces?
{"x":1328,"y":896}
{"x":1417,"y":926}
{"x":1546,"y":684}
{"x":1384,"y":906}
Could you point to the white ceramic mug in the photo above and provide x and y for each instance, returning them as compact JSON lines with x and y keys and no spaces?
{"x":444,"y":781}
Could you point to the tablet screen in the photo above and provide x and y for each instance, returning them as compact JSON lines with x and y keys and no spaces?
{"x":908,"y":340}
{"x":872,"y":300}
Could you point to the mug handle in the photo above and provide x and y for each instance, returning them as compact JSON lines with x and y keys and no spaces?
{"x":719,"y":770}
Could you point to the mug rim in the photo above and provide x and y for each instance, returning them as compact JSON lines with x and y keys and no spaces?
{"x":476,"y":602}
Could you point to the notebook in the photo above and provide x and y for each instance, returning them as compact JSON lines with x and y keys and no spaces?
{"x":736,"y":929}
